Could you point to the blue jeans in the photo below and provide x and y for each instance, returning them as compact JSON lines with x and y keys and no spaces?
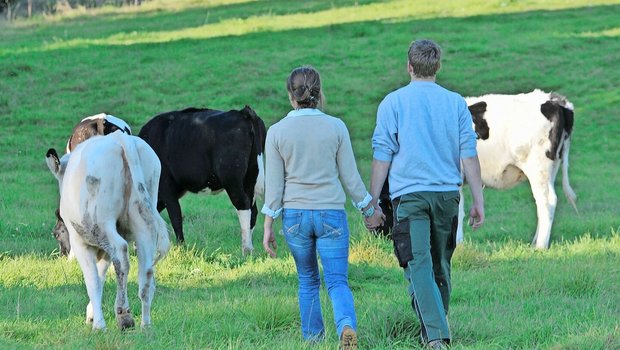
{"x":326,"y":231}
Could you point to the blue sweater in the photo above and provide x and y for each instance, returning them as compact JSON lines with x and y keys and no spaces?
{"x":424,"y":130}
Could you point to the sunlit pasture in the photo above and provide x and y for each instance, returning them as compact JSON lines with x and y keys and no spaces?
{"x":136,"y":62}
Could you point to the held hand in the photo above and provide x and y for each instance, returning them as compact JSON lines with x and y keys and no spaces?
{"x":269,"y":242}
{"x":376,"y":220}
{"x":476,"y":216}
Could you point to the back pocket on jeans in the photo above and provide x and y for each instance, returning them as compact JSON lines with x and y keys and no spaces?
{"x":291,"y":222}
{"x":333,"y":223}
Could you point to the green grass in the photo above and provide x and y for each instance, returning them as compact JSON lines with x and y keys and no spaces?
{"x":135,"y":63}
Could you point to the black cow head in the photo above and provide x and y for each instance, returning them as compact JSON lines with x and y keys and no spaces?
{"x":560,"y":113}
{"x":57,"y":167}
{"x":477,"y":111}
{"x":62,"y":235}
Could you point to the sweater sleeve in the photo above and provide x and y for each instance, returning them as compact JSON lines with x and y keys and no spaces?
{"x":347,"y":171}
{"x":385,"y":137}
{"x":467,"y":135}
{"x":274,"y":177}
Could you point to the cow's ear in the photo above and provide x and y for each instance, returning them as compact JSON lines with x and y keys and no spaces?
{"x":53,"y":162}
{"x":57,"y":212}
{"x":249,"y":112}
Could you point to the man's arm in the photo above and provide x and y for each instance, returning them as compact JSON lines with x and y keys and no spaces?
{"x":377,"y":179}
{"x":471,"y":168}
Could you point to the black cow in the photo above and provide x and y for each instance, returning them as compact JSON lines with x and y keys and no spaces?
{"x":206,"y":150}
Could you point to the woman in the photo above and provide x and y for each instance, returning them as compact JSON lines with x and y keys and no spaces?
{"x":309,"y":161}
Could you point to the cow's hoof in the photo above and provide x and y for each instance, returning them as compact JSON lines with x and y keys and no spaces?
{"x":247,"y":251}
{"x":125,"y":321}
{"x":99,"y":326}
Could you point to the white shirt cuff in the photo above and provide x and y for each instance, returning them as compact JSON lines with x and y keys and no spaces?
{"x":361,"y":205}
{"x":267,"y":211}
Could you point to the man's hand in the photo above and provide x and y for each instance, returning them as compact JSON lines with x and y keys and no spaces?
{"x":476,"y":216}
{"x":375,"y":220}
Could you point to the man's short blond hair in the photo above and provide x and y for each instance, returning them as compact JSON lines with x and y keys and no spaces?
{"x":424,"y":57}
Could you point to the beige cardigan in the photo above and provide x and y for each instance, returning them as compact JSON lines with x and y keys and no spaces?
{"x":309,"y":159}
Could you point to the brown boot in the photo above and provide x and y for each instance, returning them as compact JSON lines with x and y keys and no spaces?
{"x":348,"y":339}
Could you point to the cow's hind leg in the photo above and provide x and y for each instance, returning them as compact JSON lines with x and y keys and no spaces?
{"x":253,"y":212}
{"x":118,"y":251}
{"x":145,"y":249}
{"x":103,"y":263}
{"x":169,"y":196}
{"x":541,"y":177}
{"x":246,"y":233}
{"x":86,"y":257}
{"x":242,"y":203}
{"x":147,"y":231}
{"x":244,"y":213}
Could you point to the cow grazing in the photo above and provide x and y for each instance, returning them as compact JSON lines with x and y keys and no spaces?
{"x":108,"y":196}
{"x":99,"y":124}
{"x":525,"y":136}
{"x":207,"y":151}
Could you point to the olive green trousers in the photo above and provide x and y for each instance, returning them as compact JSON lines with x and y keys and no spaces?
{"x":424,"y":237}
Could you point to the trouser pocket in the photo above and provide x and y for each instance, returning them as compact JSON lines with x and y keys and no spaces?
{"x":452,"y":239}
{"x":402,"y":243}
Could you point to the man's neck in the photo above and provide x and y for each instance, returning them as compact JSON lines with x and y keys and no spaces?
{"x":426,"y":79}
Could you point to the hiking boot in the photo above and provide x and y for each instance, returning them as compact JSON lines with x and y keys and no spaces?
{"x":348,"y":339}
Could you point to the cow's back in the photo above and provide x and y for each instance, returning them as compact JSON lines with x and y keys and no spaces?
{"x":193,"y":142}
{"x":92,"y":187}
{"x":516,"y":129}
{"x":103,"y":176}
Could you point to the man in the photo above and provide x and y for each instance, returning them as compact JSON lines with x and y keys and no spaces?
{"x":423,"y":134}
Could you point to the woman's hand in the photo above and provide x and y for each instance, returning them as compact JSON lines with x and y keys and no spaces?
{"x":269,"y":239}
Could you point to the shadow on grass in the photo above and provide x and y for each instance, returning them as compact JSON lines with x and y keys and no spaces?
{"x":144,"y":21}
{"x":284,"y":18}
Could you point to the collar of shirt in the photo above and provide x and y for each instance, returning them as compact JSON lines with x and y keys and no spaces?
{"x":422,"y":83}
{"x":304,"y":112}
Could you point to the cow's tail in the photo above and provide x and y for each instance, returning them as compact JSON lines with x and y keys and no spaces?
{"x":568,"y":190}
{"x":567,"y":113}
{"x":258,"y":148}
{"x":142,"y":164}
{"x":566,"y":121}
{"x":163,"y":241}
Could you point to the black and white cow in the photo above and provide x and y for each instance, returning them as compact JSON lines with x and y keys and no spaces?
{"x":207,"y":151}
{"x":99,"y":124}
{"x":524,"y":136}
{"x":108,"y":196}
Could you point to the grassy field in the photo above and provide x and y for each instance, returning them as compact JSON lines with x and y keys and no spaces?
{"x":135,"y":63}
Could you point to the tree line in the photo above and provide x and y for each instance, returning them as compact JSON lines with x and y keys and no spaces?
{"x":12,"y":9}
